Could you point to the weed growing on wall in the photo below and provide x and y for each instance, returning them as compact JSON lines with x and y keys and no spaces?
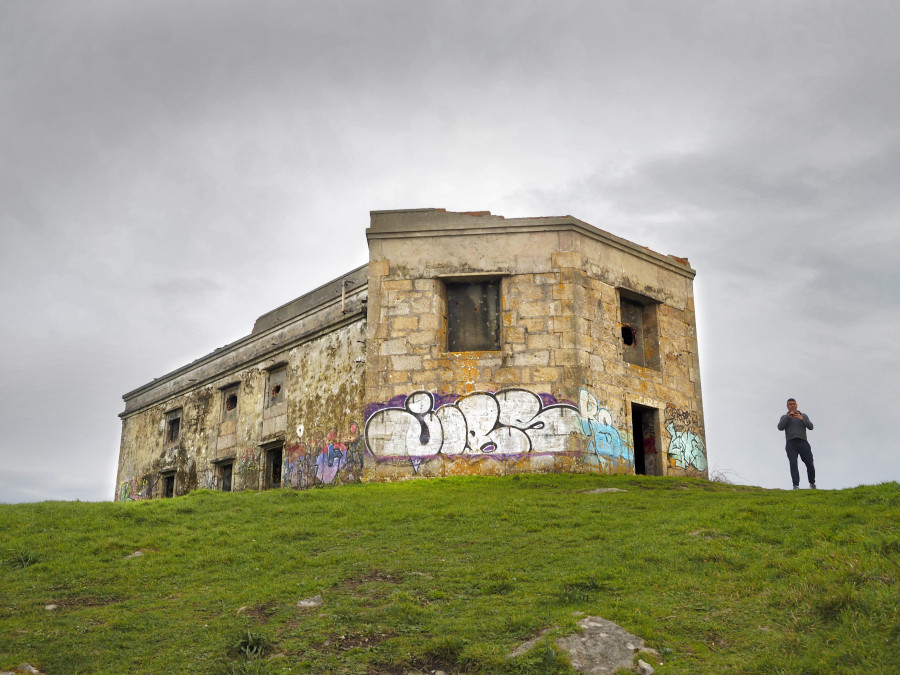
{"x":454,"y":574}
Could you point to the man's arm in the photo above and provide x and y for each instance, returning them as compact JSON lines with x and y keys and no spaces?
{"x":806,"y":421}
{"x":783,"y":422}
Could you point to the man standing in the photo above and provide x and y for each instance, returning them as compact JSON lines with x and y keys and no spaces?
{"x":794,"y":424}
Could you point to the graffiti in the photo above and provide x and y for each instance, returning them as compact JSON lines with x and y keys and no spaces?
{"x":248,"y":463}
{"x":686,"y":446}
{"x":137,"y":489}
{"x":510,"y":422}
{"x":605,"y":445}
{"x":206,"y":479}
{"x":322,"y":461}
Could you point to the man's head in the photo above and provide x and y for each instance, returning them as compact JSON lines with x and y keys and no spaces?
{"x":791,"y":405}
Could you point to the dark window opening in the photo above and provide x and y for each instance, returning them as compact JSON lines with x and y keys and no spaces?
{"x":173,"y":428}
{"x":231,"y":402}
{"x":273,"y":461}
{"x":640,"y":329}
{"x":169,"y":485}
{"x":473,"y":316}
{"x":276,"y":387}
{"x":225,"y":472}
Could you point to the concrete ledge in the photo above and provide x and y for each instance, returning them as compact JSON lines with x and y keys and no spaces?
{"x":441,"y":223}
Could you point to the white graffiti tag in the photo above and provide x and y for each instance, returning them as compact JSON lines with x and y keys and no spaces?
{"x":510,"y":422}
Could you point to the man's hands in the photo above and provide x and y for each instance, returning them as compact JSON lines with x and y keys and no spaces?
{"x":796,"y":414}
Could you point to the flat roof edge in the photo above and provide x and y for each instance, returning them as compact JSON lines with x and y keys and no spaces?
{"x":445,"y":224}
{"x":303,"y":309}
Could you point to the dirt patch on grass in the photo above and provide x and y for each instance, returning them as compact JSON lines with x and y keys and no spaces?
{"x":260,"y":613}
{"x":84,"y":601}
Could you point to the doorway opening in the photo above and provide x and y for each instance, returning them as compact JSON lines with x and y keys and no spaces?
{"x":226,"y":470}
{"x":644,"y":432}
{"x":273,"y":467}
{"x":168,"y":485}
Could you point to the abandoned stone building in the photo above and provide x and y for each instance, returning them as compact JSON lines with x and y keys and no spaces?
{"x":469,"y":344}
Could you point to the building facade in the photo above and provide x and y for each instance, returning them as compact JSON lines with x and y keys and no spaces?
{"x":469,"y":344}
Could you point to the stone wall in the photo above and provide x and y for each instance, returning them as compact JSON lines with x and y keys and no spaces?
{"x":559,"y":393}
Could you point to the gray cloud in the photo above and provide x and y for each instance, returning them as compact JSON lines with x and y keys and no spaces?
{"x":171,"y":170}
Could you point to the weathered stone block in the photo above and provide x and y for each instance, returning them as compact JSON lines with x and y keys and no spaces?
{"x":406,"y":362}
{"x":397,"y":284}
{"x":404,"y":322}
{"x":544,"y":341}
{"x":395,"y":346}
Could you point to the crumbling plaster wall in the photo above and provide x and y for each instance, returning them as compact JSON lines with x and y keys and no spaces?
{"x":319,"y":341}
{"x":561,"y":343}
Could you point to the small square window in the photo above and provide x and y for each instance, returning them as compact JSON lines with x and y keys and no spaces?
{"x":275,"y":394}
{"x":473,"y":315}
{"x":173,"y":426}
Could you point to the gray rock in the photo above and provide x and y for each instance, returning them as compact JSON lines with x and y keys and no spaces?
{"x":50,"y":608}
{"x":644,"y":668}
{"x":136,"y":554}
{"x":600,"y":490}
{"x":602,"y":647}
{"x":315,"y":601}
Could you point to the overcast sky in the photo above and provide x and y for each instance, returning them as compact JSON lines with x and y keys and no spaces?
{"x":170,"y":170}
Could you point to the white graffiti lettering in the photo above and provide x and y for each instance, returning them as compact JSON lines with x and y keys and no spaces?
{"x":510,"y":422}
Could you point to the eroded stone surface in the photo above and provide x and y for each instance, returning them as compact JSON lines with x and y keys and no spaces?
{"x":602,"y":647}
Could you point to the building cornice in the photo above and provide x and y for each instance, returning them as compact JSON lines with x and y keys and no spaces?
{"x":416,"y":223}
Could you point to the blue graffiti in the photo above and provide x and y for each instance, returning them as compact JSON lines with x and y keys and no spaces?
{"x":605,"y":446}
{"x":687,"y":448}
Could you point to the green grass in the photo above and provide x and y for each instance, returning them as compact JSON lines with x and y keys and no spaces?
{"x":454,"y":574}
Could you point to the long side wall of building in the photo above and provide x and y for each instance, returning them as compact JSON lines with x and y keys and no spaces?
{"x":281,"y":407}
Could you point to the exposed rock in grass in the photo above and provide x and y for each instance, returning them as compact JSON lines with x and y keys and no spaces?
{"x":23,"y":668}
{"x":315,"y":601}
{"x":602,"y":648}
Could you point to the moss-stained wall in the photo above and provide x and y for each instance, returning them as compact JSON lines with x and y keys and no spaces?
{"x":313,"y":351}
{"x":318,"y":430}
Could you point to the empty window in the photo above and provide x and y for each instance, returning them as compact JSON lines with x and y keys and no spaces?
{"x":273,"y":467}
{"x":473,"y":315}
{"x":173,"y":426}
{"x":168,"y":485}
{"x":640,"y":332}
{"x":275,"y":393}
{"x":225,"y":472}
{"x":229,"y":403}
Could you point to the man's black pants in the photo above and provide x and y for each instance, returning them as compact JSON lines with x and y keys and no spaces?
{"x":798,"y":447}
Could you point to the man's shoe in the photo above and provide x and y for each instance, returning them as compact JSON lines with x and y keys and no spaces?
{"x":812,"y":486}
{"x":796,"y":487}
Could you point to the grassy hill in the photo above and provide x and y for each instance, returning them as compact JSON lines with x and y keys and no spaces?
{"x":453,"y":574}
